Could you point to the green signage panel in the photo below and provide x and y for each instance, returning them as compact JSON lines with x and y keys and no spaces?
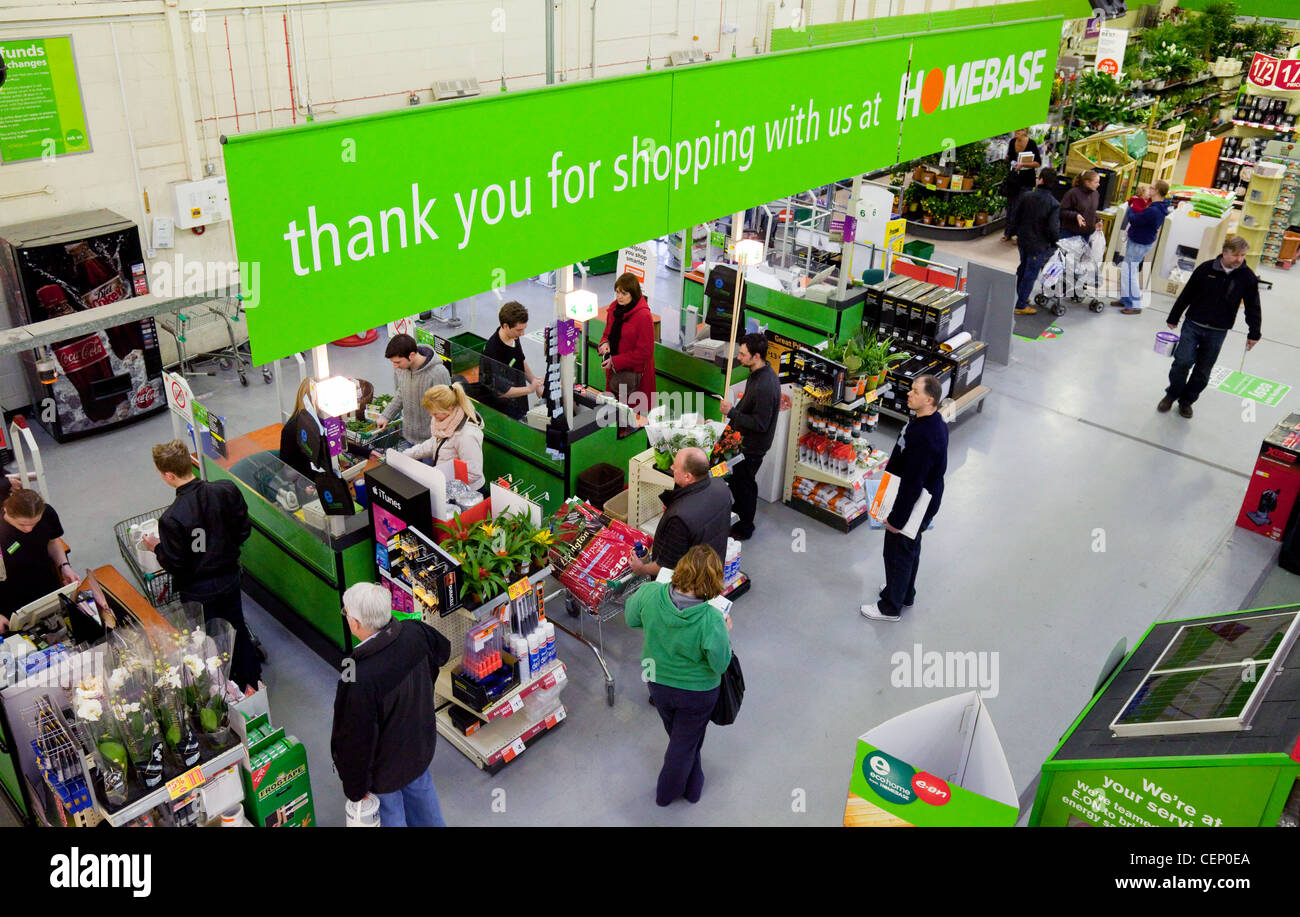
{"x":1177,"y":796}
{"x":1246,"y":386}
{"x":41,"y":112}
{"x":379,"y":217}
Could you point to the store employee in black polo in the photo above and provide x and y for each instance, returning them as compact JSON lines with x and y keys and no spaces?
{"x":754,"y":416}
{"x":199,"y":539}
{"x":35,"y":563}
{"x":505,"y":378}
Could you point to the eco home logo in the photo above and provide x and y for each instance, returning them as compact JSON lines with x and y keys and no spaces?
{"x":977,"y":81}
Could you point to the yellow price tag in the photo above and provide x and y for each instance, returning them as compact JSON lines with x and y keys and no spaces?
{"x":517,"y":590}
{"x":179,"y":786}
{"x":719,"y":469}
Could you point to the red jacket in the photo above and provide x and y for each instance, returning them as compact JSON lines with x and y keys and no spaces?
{"x":636,"y":346}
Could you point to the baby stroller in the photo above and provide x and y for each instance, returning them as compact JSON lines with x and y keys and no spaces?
{"x":1070,"y":274}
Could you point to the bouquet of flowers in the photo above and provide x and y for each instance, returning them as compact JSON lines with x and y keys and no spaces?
{"x":727,"y":446}
{"x":94,"y":713}
{"x":206,"y":664}
{"x":169,"y":705}
{"x":130,"y":694}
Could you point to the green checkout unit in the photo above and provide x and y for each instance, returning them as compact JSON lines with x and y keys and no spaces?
{"x":1198,"y":726}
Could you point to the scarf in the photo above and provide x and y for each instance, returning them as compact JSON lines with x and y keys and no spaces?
{"x":618,"y":315}
{"x":442,"y":429}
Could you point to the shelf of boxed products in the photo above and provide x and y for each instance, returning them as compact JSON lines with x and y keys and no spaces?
{"x":509,"y":704}
{"x":498,"y":743}
{"x":836,"y":506}
{"x":172,"y":789}
{"x":951,"y":409}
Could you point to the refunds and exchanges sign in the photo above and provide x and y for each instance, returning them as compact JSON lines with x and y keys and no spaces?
{"x":357,"y":222}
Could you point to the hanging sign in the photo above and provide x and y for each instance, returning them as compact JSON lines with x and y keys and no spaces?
{"x":1274,"y":73}
{"x":642,"y":262}
{"x":1110,"y":51}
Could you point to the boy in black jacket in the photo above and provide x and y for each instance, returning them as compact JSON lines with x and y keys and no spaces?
{"x":385,"y":727}
{"x":1210,"y":298}
{"x":920,"y":459}
{"x":198,"y":543}
{"x":754,"y":416}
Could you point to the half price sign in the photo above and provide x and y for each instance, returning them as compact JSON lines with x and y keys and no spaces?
{"x":1274,"y":73}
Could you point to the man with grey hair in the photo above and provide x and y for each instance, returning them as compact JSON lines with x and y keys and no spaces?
{"x":384,"y":722}
{"x":1211,"y":298}
{"x":696,"y":511}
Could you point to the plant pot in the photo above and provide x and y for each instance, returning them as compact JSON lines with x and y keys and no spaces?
{"x":927,"y":220}
{"x":981,"y":218}
{"x":919,"y":173}
{"x":941,"y":181}
{"x":873,"y":381}
{"x":911,"y":208}
{"x":952,"y":221}
{"x":967,"y":183}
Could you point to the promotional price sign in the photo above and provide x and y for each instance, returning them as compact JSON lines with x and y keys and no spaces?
{"x":1110,"y":51}
{"x":1274,"y":73}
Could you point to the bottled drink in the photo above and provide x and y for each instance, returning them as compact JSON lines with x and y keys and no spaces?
{"x":103,"y":284}
{"x":83,"y":360}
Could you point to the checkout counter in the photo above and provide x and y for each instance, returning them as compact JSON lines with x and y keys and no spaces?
{"x":297,"y":562}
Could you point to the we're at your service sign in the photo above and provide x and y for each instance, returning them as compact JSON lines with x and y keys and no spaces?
{"x":356,"y":222}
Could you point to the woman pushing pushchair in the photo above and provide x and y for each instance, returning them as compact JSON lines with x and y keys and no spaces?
{"x":1075,"y":268}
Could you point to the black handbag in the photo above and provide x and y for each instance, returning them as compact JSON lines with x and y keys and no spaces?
{"x":730,"y":693}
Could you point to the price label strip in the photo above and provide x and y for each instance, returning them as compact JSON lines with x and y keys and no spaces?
{"x":513,"y":750}
{"x":191,"y":779}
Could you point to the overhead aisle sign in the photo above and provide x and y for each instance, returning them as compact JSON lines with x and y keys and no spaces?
{"x":443,"y":202}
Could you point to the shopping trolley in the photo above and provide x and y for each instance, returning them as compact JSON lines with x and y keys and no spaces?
{"x":1070,"y":274}
{"x":226,"y":310}
{"x":157,"y":586}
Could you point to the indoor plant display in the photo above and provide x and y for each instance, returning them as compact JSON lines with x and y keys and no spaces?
{"x":93,"y":711}
{"x":876,"y":358}
{"x":169,"y":706}
{"x":130,"y":698}
{"x":207,"y":669}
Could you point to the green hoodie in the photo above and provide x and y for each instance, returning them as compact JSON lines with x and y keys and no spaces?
{"x":689,"y":648}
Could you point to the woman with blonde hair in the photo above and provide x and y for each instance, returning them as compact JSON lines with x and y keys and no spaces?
{"x":456,"y":432}
{"x":687,"y":648}
{"x":303,"y":445}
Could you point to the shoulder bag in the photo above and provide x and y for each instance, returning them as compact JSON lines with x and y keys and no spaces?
{"x":730,"y":694}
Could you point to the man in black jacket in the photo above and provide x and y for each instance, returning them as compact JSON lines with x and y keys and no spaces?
{"x":754,"y":416}
{"x":1210,"y":298}
{"x":1036,"y":224}
{"x":920,"y":459}
{"x":385,"y":728}
{"x":198,"y":544}
{"x":696,"y":511}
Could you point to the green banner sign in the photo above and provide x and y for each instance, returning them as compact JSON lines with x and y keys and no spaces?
{"x":41,"y":112}
{"x":1178,"y":797}
{"x":378,"y":217}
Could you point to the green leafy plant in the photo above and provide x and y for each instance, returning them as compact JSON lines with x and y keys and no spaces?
{"x":876,"y":358}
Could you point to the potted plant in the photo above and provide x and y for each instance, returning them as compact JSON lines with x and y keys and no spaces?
{"x":941,"y":181}
{"x":927,"y":210}
{"x":981,"y":209}
{"x":912,"y":196}
{"x":876,"y":359}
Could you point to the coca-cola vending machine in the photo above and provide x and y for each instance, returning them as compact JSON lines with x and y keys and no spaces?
{"x":73,"y":263}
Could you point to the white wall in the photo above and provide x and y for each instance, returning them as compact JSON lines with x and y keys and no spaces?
{"x":232,"y":67}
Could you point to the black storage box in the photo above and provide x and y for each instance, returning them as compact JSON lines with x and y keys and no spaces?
{"x":945,"y":317}
{"x":876,"y":293}
{"x":476,"y":695}
{"x":967,"y":363}
{"x":599,"y":483}
{"x":896,"y":306}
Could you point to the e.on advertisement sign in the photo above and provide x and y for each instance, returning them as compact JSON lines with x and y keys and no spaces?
{"x":1274,"y":73}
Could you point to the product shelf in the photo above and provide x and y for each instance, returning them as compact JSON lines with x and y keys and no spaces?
{"x":495,"y":745}
{"x":853,"y":482}
{"x":1264,"y":127}
{"x":550,"y":676}
{"x":162,"y":794}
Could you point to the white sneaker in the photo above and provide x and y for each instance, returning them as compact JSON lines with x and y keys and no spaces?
{"x":875,"y":614}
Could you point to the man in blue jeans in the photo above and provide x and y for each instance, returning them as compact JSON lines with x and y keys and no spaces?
{"x":1035,"y":221}
{"x":1211,"y":298}
{"x":384,"y":720}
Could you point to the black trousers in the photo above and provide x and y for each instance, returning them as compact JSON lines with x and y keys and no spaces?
{"x":744,"y":491}
{"x":686,"y":716}
{"x":222,"y":598}
{"x":902,"y":559}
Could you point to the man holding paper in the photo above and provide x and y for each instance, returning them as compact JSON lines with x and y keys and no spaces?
{"x":919,"y":460}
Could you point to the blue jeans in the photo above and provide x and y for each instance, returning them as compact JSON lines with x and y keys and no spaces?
{"x":1130,"y":279}
{"x":414,"y":805}
{"x":1198,"y":348}
{"x":1031,"y":264}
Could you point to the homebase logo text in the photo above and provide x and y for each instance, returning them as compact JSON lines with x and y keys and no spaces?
{"x":932,"y":669}
{"x":977,"y":81}
{"x":103,"y":870}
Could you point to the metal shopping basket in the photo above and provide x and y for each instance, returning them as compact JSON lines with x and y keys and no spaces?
{"x":157,"y":586}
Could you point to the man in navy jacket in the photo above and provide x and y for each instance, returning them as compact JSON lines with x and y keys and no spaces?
{"x":920,"y":458}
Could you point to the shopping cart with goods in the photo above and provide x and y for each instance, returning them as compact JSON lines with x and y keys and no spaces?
{"x":591,"y":562}
{"x":1072,"y":273}
{"x":155,"y":582}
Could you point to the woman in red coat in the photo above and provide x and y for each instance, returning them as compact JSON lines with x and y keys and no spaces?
{"x":628,"y":347}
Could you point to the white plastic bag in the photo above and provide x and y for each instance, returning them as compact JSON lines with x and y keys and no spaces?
{"x":143,"y":556}
{"x":1098,"y":245}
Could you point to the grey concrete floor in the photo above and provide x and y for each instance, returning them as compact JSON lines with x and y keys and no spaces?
{"x":1069,"y":456}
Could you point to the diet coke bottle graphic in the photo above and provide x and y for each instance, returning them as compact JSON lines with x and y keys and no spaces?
{"x":103,"y":284}
{"x":83,"y":360}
